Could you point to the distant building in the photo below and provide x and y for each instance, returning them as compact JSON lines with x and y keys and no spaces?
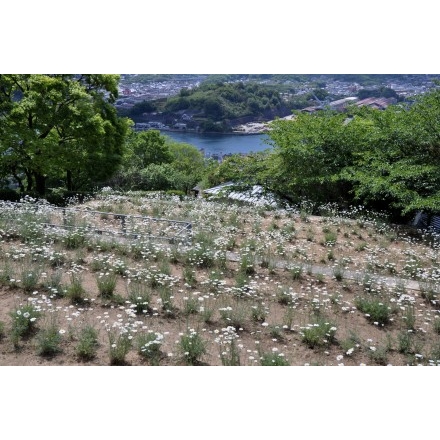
{"x":341,"y":104}
{"x":377,"y":103}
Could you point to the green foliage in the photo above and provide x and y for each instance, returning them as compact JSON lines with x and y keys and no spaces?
{"x":75,"y":290}
{"x":75,"y":240}
{"x":2,"y":330}
{"x":375,"y":310}
{"x":387,"y":160}
{"x":436,"y":326}
{"x":24,"y":320}
{"x":319,"y":333}
{"x":213,"y":102}
{"x":87,"y":343}
{"x":273,"y":359}
{"x":155,"y":162}
{"x":310,"y":151}
{"x":106,"y":284}
{"x":30,"y":276}
{"x":59,"y":127}
{"x":147,"y":147}
{"x":192,"y":347}
{"x":139,"y":296}
{"x":149,"y":346}
{"x":48,"y":340}
{"x":382,"y":91}
{"x":120,"y":343}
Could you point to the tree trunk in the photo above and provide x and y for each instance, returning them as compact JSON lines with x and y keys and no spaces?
{"x":40,"y":183}
{"x":29,"y":181}
{"x":19,"y":181}
{"x":69,"y":183}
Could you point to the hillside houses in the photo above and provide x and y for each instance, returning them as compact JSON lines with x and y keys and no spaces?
{"x":342,"y":104}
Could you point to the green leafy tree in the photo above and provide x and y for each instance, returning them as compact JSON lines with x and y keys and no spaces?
{"x":250,"y":169}
{"x":188,"y":162}
{"x":310,"y":151}
{"x":59,"y":127}
{"x":147,"y":147}
{"x":399,"y":169}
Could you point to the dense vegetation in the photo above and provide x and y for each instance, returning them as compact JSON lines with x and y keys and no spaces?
{"x":62,"y":132}
{"x":387,"y":160}
{"x":221,"y":101}
{"x":59,"y":128}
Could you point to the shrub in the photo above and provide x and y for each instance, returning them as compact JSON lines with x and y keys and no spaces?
{"x":192,"y":347}
{"x":436,"y":326}
{"x":235,"y":317}
{"x":75,"y":240}
{"x":87,"y":343}
{"x":273,"y":360}
{"x":75,"y":290}
{"x":139,"y":296}
{"x":259,"y":312}
{"x":338,"y":272}
{"x":190,"y":306}
{"x":189,"y":276}
{"x":120,"y":344}
{"x":374,"y":310}
{"x":24,"y":321}
{"x":229,"y":353}
{"x":378,"y":355}
{"x":405,"y":342}
{"x":148,"y":346}
{"x":106,"y":284}
{"x":296,"y":272}
{"x":329,"y":238}
{"x":48,"y":340}
{"x":53,"y":283}
{"x":319,"y":333}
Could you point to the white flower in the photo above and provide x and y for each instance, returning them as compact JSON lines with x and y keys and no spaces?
{"x":339,"y":357}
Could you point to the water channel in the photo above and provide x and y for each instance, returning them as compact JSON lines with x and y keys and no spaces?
{"x":220,"y":144}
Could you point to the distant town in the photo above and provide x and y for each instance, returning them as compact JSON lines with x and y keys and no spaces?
{"x":132,"y":91}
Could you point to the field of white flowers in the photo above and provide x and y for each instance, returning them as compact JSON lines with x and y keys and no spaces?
{"x":230,"y":285}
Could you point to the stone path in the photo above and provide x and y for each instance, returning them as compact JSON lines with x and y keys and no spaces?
{"x":346,"y":274}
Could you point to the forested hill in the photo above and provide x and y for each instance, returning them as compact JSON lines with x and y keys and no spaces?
{"x":226,"y":101}
{"x":218,"y":106}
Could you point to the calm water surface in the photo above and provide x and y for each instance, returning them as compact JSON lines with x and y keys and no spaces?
{"x":221,"y":144}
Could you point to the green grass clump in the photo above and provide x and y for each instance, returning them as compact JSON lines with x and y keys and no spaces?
{"x":87,"y":343}
{"x":319,"y":333}
{"x":192,"y":347}
{"x":149,"y":346}
{"x":120,"y":344}
{"x":273,"y":360}
{"x":106,"y":284}
{"x":375,"y":310}
{"x":24,"y":319}
{"x":139,"y":296}
{"x":48,"y":340}
{"x":75,"y":240}
{"x":2,"y":330}
{"x":75,"y":290}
